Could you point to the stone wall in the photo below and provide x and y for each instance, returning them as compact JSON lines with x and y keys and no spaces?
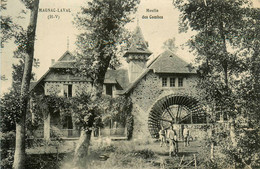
{"x":81,"y":87}
{"x":53,"y":88}
{"x":57,"y":88}
{"x":147,"y":92}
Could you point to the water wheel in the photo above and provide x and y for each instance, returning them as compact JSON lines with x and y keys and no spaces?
{"x":175,"y":109}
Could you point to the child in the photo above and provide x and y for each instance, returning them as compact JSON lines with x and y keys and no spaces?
{"x":162,"y":137}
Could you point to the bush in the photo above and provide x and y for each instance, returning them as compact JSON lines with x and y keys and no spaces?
{"x":7,"y":149}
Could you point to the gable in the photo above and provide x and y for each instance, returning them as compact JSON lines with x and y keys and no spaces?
{"x":67,"y":56}
{"x":168,"y":62}
{"x":66,"y":61}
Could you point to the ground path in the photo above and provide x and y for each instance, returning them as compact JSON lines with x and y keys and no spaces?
{"x":185,"y":158}
{"x":186,"y":154}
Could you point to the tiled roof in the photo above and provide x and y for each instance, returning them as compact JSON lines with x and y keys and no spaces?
{"x":110,"y":77}
{"x":138,"y":44}
{"x":66,"y":61}
{"x":168,"y":62}
{"x":63,"y":64}
{"x":119,"y":77}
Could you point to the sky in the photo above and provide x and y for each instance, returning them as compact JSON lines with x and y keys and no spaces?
{"x":56,"y":33}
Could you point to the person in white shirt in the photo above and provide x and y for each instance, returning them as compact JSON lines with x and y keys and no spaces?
{"x":186,"y":134}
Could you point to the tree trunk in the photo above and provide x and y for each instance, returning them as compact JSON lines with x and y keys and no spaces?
{"x":19,"y":156}
{"x":47,"y":127}
{"x":81,"y":150}
{"x":212,"y":151}
{"x":232,"y":132}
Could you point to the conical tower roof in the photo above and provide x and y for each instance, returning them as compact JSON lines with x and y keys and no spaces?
{"x":138,"y":43}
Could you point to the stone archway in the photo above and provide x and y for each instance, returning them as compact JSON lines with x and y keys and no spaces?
{"x":175,"y":109}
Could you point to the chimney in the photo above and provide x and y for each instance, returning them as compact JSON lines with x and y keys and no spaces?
{"x":52,"y":61}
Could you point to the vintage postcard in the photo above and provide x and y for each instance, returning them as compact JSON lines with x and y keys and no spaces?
{"x":130,"y":84}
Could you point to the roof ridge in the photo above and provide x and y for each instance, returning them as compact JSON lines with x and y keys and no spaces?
{"x":67,"y":52}
{"x":137,"y":80}
{"x":153,"y":61}
{"x":38,"y":81}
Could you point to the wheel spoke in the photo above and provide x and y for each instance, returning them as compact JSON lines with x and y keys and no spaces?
{"x":180,"y":112}
{"x":170,"y":112}
{"x":185,"y":117}
{"x":178,"y":116}
{"x":170,"y":121}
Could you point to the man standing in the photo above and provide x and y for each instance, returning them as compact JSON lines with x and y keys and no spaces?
{"x":173,"y":143}
{"x":186,"y":134}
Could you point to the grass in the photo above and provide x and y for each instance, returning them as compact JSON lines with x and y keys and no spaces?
{"x":130,"y":155}
{"x":121,"y":155}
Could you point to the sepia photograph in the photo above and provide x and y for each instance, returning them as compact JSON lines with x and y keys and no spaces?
{"x":133,"y":84}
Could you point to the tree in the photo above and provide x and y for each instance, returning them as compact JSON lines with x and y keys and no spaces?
{"x":9,"y":103}
{"x":170,"y":45}
{"x":227,"y":47}
{"x":8,"y":28}
{"x":98,"y":46}
{"x":26,"y":44}
{"x":248,"y":88}
{"x":248,"y":94}
{"x":18,"y":69}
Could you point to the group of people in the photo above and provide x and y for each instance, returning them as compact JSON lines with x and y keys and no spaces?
{"x":170,"y":135}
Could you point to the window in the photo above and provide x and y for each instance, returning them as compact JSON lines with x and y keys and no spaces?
{"x":68,"y":126}
{"x":180,"y":82}
{"x":164,"y":82}
{"x":109,"y":90}
{"x":172,"y":82}
{"x":67,"y":90}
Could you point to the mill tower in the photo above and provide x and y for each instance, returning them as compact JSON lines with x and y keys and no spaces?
{"x":137,"y":54}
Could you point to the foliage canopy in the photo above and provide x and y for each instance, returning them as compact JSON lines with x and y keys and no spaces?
{"x":102,"y":24}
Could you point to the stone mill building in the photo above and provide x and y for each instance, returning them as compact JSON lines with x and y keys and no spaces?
{"x":163,"y":92}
